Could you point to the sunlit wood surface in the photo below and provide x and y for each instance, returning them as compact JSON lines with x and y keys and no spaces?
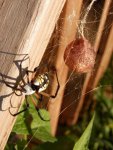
{"x":25,"y":28}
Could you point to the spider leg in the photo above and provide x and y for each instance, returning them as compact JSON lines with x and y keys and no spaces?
{"x":41,"y":98}
{"x":8,"y":85}
{"x":41,"y":66}
{"x":11,"y":102}
{"x":58,"y":84}
{"x":20,"y":68}
{"x":41,"y":116}
{"x":33,"y":72}
{"x":38,"y":110}
{"x":18,"y":63}
{"x":57,"y":89}
{"x":12,"y":87}
{"x":29,"y":71}
{"x":15,"y":91}
{"x":36,"y":69}
{"x":26,"y":108}
{"x":40,"y":101}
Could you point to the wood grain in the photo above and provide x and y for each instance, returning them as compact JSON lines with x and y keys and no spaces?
{"x":25,"y":28}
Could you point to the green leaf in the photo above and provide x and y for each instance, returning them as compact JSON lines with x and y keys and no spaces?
{"x":15,"y":143}
{"x":30,"y":123}
{"x":20,"y":144}
{"x":82,"y":143}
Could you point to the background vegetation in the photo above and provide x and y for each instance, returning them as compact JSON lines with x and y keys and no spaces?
{"x":29,"y":124}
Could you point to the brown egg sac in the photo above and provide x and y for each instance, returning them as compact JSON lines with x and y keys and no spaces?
{"x":79,"y":56}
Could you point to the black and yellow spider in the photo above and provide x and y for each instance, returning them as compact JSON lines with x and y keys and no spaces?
{"x":37,"y":86}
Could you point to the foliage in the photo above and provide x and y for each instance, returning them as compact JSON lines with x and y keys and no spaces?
{"x":102,"y":137}
{"x":83,"y":142}
{"x":17,"y":145}
{"x":67,"y":142}
{"x":102,"y":134}
{"x":103,"y":131}
{"x":62,"y":143}
{"x":108,"y":76}
{"x":29,"y":123}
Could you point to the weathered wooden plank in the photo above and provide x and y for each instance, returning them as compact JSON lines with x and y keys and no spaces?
{"x":68,"y":31}
{"x":25,"y":28}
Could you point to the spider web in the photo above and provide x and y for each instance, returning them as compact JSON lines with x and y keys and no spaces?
{"x":87,"y":27}
{"x":88,"y":24}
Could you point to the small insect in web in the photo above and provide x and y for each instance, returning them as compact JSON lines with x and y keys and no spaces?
{"x":38,"y":84}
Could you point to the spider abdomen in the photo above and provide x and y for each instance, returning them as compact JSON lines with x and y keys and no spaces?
{"x":41,"y":81}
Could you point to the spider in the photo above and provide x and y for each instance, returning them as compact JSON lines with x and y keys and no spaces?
{"x":36,"y":86}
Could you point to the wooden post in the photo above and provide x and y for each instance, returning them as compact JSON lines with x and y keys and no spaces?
{"x":70,"y":18}
{"x":25,"y":28}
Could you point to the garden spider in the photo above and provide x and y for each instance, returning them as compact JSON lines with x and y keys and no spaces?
{"x":36,"y":86}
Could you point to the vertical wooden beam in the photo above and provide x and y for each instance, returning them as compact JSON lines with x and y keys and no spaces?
{"x":102,"y":24}
{"x":68,"y":31}
{"x":25,"y":28}
{"x":86,"y":85}
{"x":105,"y":58}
